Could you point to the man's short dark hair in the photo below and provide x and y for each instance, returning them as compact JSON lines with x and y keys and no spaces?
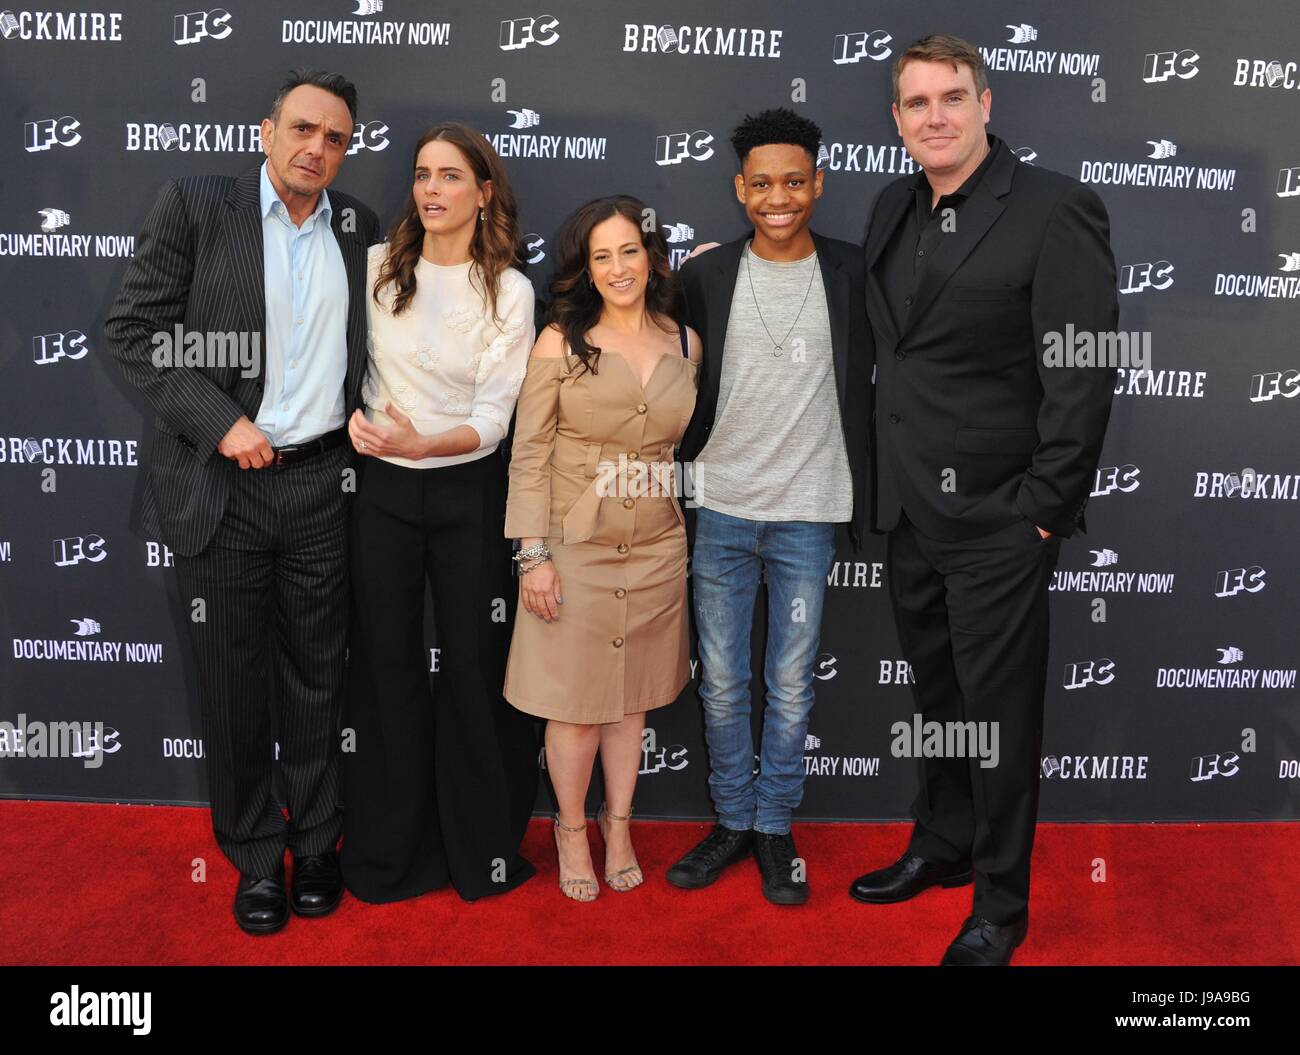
{"x":776,"y":126}
{"x":943,"y":47}
{"x":334,"y":83}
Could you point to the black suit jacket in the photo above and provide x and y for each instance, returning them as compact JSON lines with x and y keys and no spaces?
{"x":709,"y":283}
{"x":198,"y":262}
{"x":964,"y":387}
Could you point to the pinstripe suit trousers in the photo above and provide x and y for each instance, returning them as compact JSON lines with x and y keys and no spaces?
{"x":270,"y":654}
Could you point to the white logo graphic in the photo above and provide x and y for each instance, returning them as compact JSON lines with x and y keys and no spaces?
{"x":533,"y":245}
{"x":1284,"y":383}
{"x":824,"y":668}
{"x":1232,"y":581}
{"x":678,"y":232}
{"x":1290,"y":261}
{"x":811,"y":743}
{"x":1022,"y":34}
{"x":1134,"y":278}
{"x":8,"y":24}
{"x":51,"y":347}
{"x":1161,"y":149}
{"x":823,"y":155}
{"x":1116,"y":478}
{"x":1231,"y":654}
{"x":1288,"y":183}
{"x":525,"y":118}
{"x":653,"y":757}
{"x":1091,"y":672}
{"x":1095,"y":767}
{"x":193,"y":27}
{"x":369,"y":7}
{"x":1208,"y":766}
{"x":870,"y":44}
{"x":520,"y":32}
{"x":85,"y":627}
{"x":51,"y":132}
{"x":1161,"y":65}
{"x":77,"y":548}
{"x":676,"y":147}
{"x":1103,"y":558}
{"x":369,"y":135}
{"x":53,"y":219}
{"x":1028,"y":155}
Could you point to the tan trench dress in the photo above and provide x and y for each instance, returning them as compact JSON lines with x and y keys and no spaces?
{"x":616,"y":533}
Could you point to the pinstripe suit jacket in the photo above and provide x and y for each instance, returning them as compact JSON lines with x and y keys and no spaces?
{"x":198,"y":263}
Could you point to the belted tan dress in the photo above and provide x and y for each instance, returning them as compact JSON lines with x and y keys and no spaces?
{"x":592,"y":472}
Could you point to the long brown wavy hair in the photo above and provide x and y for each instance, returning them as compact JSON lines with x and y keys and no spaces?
{"x":576,"y":304}
{"x":496,"y":243}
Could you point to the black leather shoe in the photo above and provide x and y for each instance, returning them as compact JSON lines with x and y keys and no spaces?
{"x":776,"y":855}
{"x":985,"y":944}
{"x":906,"y":878}
{"x":704,"y":863}
{"x":317,"y":884}
{"x":261,"y":906}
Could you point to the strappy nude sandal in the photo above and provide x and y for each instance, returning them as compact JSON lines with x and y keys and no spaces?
{"x":624,"y":879}
{"x":577,"y":889}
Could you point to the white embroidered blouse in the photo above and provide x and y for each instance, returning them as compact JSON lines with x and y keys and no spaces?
{"x":444,"y":361}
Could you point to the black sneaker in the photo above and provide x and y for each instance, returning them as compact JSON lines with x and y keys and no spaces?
{"x":776,"y":856}
{"x":705,"y":863}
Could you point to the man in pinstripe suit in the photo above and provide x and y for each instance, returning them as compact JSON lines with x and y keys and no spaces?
{"x":248,"y":476}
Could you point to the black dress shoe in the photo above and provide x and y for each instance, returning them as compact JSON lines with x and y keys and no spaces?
{"x":261,"y":905}
{"x":704,"y":863}
{"x":317,"y":884}
{"x":906,"y":878}
{"x":985,"y":944}
{"x":776,"y":855}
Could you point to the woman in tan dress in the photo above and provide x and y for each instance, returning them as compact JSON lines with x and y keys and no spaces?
{"x":603,"y":636}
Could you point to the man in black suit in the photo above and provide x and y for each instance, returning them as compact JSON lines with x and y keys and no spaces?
{"x":778,"y":447}
{"x":984,"y":457}
{"x":249,"y":472}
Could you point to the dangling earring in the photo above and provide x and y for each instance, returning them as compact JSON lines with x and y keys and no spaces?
{"x":481,"y":217}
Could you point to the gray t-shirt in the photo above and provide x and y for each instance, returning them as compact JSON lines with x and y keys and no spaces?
{"x":776,"y":450}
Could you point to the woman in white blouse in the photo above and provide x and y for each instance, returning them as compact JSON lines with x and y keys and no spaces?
{"x":438,"y":787}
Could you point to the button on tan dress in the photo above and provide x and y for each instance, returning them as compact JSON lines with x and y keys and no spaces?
{"x":620,"y":644}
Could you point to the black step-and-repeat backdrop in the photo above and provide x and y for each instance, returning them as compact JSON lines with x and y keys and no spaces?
{"x":1172,"y":692}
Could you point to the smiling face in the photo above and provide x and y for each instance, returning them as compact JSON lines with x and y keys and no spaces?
{"x":617,"y":261}
{"x":306,"y":144}
{"x":447,"y":196}
{"x":778,"y":184}
{"x":940,"y":117}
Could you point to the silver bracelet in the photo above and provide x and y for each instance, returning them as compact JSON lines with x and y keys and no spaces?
{"x":543,"y":559}
{"x":538,"y":549}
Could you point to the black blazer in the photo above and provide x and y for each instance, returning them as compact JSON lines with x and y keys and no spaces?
{"x":198,"y":262}
{"x":709,"y":283}
{"x":963,"y":386}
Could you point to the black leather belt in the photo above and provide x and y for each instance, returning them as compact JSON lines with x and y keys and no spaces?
{"x":302,"y":451}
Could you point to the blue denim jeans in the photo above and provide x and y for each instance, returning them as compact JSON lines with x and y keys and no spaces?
{"x":729,"y":552}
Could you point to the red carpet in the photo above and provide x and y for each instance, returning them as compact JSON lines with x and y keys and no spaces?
{"x":103,"y":884}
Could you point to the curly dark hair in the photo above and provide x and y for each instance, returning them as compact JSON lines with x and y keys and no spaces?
{"x":576,"y":305}
{"x":781,"y":125}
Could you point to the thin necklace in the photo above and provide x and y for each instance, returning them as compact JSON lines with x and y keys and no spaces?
{"x":812,"y":273}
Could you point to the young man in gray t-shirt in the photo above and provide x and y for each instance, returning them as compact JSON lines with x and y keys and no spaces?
{"x":778,"y":443}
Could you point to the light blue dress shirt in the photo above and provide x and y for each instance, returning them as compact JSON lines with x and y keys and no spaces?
{"x":305,"y":338}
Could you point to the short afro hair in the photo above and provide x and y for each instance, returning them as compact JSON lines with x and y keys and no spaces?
{"x":781,"y":125}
